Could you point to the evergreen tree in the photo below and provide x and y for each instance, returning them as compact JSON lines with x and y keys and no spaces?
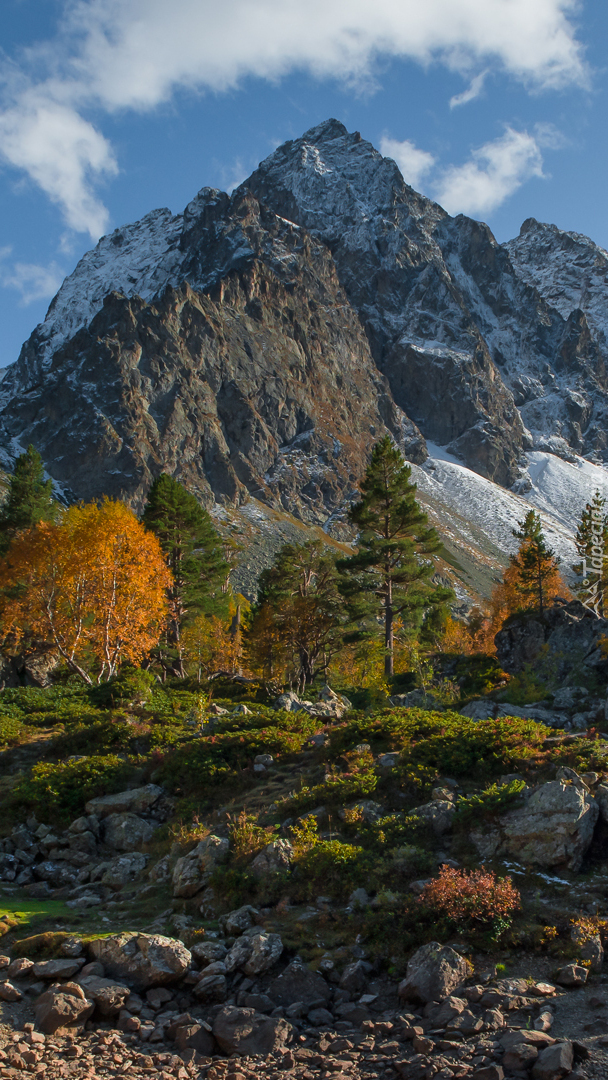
{"x":390,"y":576}
{"x":299,"y":614}
{"x":194,"y":554}
{"x":535,"y":575}
{"x":592,"y":547}
{"x":29,"y":499}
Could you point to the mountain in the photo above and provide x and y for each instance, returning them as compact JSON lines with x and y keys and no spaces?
{"x":258,"y":344}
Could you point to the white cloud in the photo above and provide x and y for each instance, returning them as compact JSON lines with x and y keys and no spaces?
{"x":414,"y":164}
{"x":472,"y":92}
{"x":134,"y":54}
{"x":493,"y":172}
{"x":32,"y":281}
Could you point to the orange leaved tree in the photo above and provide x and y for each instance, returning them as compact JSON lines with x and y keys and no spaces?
{"x":94,"y":585}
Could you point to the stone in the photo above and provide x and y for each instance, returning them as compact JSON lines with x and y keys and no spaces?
{"x":480,"y":709}
{"x":359,"y":898}
{"x":320,"y":1017}
{"x":246,"y":1032}
{"x":65,"y":1008}
{"x":84,"y":901}
{"x":142,"y":960}
{"x":109,"y":996}
{"x":553,"y":828}
{"x":126,"y":831}
{"x":192,"y":871}
{"x":368,"y":810}
{"x":438,"y":815}
{"x":319,"y":739}
{"x":388,"y":761}
{"x":194,"y":1037}
{"x":554,"y":1062}
{"x":120,"y":871}
{"x":8,"y":992}
{"x":211,"y":988}
{"x":236,"y":922}
{"x":572,"y":975}
{"x":206,"y":952}
{"x":20,"y":968}
{"x":136,"y":801}
{"x":354,"y":977}
{"x":288,"y":701}
{"x":266,"y":949}
{"x":274,"y":859}
{"x":520,"y":1057}
{"x":298,"y":983}
{"x":57,"y":969}
{"x":590,"y":947}
{"x":569,"y":637}
{"x":433,"y":973}
{"x":55,"y":874}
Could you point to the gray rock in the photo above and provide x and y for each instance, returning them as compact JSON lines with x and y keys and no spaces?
{"x":142,"y":960}
{"x":207,"y":952}
{"x":109,"y":996}
{"x":572,"y":975}
{"x":554,"y":1062}
{"x":354,"y":977}
{"x":438,"y":815}
{"x":433,"y":973}
{"x":288,"y":701}
{"x":194,"y":1037}
{"x":236,"y":922}
{"x":569,"y":637}
{"x":211,"y":988}
{"x":136,"y":801}
{"x":57,"y":969}
{"x":120,"y":871}
{"x":265,"y":951}
{"x":298,"y":983}
{"x":126,"y":831}
{"x":246,"y":1032}
{"x":480,"y":709}
{"x":192,"y":872}
{"x":274,"y":859}
{"x":590,"y":948}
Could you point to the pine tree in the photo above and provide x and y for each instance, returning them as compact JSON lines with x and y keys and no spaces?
{"x":299,"y":614}
{"x":534,"y":570}
{"x":592,"y":547}
{"x":391,"y":574}
{"x":194,"y":554}
{"x":29,"y":500}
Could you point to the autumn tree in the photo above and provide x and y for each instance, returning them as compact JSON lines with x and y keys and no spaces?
{"x":195,"y":557}
{"x":299,"y":611}
{"x":94,"y":585}
{"x":390,"y":576}
{"x":592,"y":547}
{"x":29,"y":499}
{"x":533,"y":576}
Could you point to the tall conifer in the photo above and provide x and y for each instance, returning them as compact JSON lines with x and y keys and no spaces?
{"x":29,"y":500}
{"x":390,"y":576}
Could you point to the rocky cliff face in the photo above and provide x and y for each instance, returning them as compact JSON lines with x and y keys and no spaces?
{"x":257,"y":345}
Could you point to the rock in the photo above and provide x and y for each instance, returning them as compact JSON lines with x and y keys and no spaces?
{"x":246,"y":1032}
{"x":480,"y":709}
{"x":238,"y":955}
{"x":554,"y":1062}
{"x":20,"y":968}
{"x":126,"y":832}
{"x":601,"y":798}
{"x":520,"y":1057}
{"x":274,"y":859}
{"x":57,"y":969}
{"x":289,"y":701}
{"x":369,"y":810}
{"x":236,"y":922}
{"x":193,"y":871}
{"x":211,"y":988}
{"x":359,"y":898}
{"x":438,"y":815}
{"x":262,"y":762}
{"x":120,"y":871}
{"x":554,"y":827}
{"x":590,"y":947}
{"x":417,"y":699}
{"x":298,"y":983}
{"x":572,"y":975}
{"x":8,"y":992}
{"x":84,"y":901}
{"x":569,"y":637}
{"x":55,"y":874}
{"x":109,"y":997}
{"x":320,"y":1017}
{"x":388,"y":761}
{"x":136,"y":801}
{"x":62,"y":1008}
{"x":206,"y":952}
{"x":194,"y":1037}
{"x":320,"y":739}
{"x":433,"y":973}
{"x":354,"y":977}
{"x":142,"y":960}
{"x":265,"y":951}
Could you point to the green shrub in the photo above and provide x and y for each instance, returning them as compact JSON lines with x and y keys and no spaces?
{"x":59,"y":791}
{"x":330,"y":866}
{"x":11,"y":730}
{"x":488,"y":803}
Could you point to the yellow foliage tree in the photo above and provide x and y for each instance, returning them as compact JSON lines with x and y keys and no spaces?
{"x":94,"y":584}
{"x":211,"y":645}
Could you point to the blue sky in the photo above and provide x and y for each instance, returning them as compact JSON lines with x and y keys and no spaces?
{"x":110,"y":108}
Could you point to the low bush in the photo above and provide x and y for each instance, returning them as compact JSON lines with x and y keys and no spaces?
{"x":58,"y":791}
{"x":471,"y":898}
{"x":483,"y":804}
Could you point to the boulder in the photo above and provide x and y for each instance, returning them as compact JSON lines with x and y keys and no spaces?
{"x":238,"y":921}
{"x":590,"y":947}
{"x":57,"y":969}
{"x":64,"y":1008}
{"x":247,"y":1032}
{"x":194,"y":1037}
{"x":142,"y":960}
{"x":120,"y":871}
{"x":553,"y":828}
{"x":109,"y":997}
{"x":211,"y":988}
{"x":8,"y":992}
{"x":265,"y":951}
{"x":192,"y":871}
{"x":433,"y":973}
{"x":208,"y":951}
{"x":55,"y":874}
{"x":126,"y":832}
{"x":438,"y":815}
{"x":480,"y":709}
{"x":298,"y":983}
{"x":139,"y":800}
{"x":368,"y":810}
{"x":20,"y":968}
{"x":274,"y":859}
{"x":554,"y":1062}
{"x":569,"y":637}
{"x":572,"y":975}
{"x":289,"y":701}
{"x":354,"y":977}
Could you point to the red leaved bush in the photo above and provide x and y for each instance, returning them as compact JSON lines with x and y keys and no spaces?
{"x":476,"y":895}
